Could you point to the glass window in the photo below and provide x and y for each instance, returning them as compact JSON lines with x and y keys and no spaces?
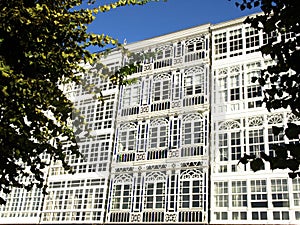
{"x":280,"y":195}
{"x":235,"y":42}
{"x":259,"y":194}
{"x":191,"y":190}
{"x":220,"y":45}
{"x":296,"y":192}
{"x":239,"y":193}
{"x":252,"y":39}
{"x":221,"y":194}
{"x":194,"y":84}
{"x":259,"y":215}
{"x":131,"y":96}
{"x":193,"y":132}
{"x":256,"y":142}
{"x":159,"y":135}
{"x":127,"y":138}
{"x":121,"y":196}
{"x":161,"y":90}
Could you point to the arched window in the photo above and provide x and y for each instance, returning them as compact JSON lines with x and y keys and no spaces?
{"x":127,"y":137}
{"x":155,"y":191}
{"x":193,"y":130}
{"x":230,"y":141}
{"x":122,"y":192}
{"x":131,"y":95}
{"x":161,"y":87}
{"x":159,"y":133}
{"x":192,"y":189}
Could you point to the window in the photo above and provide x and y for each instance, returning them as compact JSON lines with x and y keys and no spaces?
{"x":297,"y":215}
{"x":221,"y":194}
{"x":239,"y":215}
{"x":104,"y":115}
{"x":155,"y":195}
{"x":193,"y":132}
{"x":274,"y":140}
{"x":195,"y":44}
{"x":222,"y":88}
{"x":223,"y":147}
{"x":191,"y":190}
{"x":235,"y":42}
{"x":220,"y":45}
{"x":163,"y":57}
{"x":239,"y":193}
{"x":175,"y":132}
{"x":281,"y":215}
{"x":256,"y":142}
{"x":161,"y":88}
{"x":145,"y":92}
{"x":259,"y":216}
{"x":296,"y":192}
{"x":254,"y":91}
{"x":259,"y":194}
{"x":131,"y":96}
{"x":194,"y":81}
{"x":195,"y":49}
{"x":142,"y":137}
{"x":178,"y":49}
{"x":127,"y":137}
{"x":280,"y":195}
{"x":235,"y":138}
{"x":159,"y":134}
{"x":221,"y":215}
{"x":252,"y":39}
{"x":176,"y":86}
{"x":121,"y":196}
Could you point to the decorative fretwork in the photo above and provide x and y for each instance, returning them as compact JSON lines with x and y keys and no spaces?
{"x":194,"y":70}
{"x":191,"y":174}
{"x":159,"y":167}
{"x":235,"y":69}
{"x":255,"y":121}
{"x":140,"y":156}
{"x":123,"y":178}
{"x":135,"y":217}
{"x":223,"y":71}
{"x":228,"y":125}
{"x":124,"y":170}
{"x":173,"y":153}
{"x":171,"y":217}
{"x":155,"y":176}
{"x":275,"y":118}
{"x":127,"y":126}
{"x":193,"y":164}
{"x":292,"y":118}
{"x":176,"y":104}
{"x":162,"y":76}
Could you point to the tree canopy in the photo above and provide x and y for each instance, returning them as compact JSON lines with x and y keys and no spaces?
{"x":42,"y":43}
{"x":280,"y":19}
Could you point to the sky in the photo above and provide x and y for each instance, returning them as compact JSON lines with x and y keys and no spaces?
{"x":136,"y":23}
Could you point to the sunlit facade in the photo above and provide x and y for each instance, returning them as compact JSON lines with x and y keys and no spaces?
{"x":165,"y":149}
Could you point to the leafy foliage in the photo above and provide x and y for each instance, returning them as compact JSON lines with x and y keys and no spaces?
{"x":41,"y":45}
{"x":280,"y":17}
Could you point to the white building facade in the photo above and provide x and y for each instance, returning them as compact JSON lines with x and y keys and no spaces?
{"x":165,"y":149}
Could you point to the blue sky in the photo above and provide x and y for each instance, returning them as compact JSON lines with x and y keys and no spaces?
{"x":137,"y":23}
